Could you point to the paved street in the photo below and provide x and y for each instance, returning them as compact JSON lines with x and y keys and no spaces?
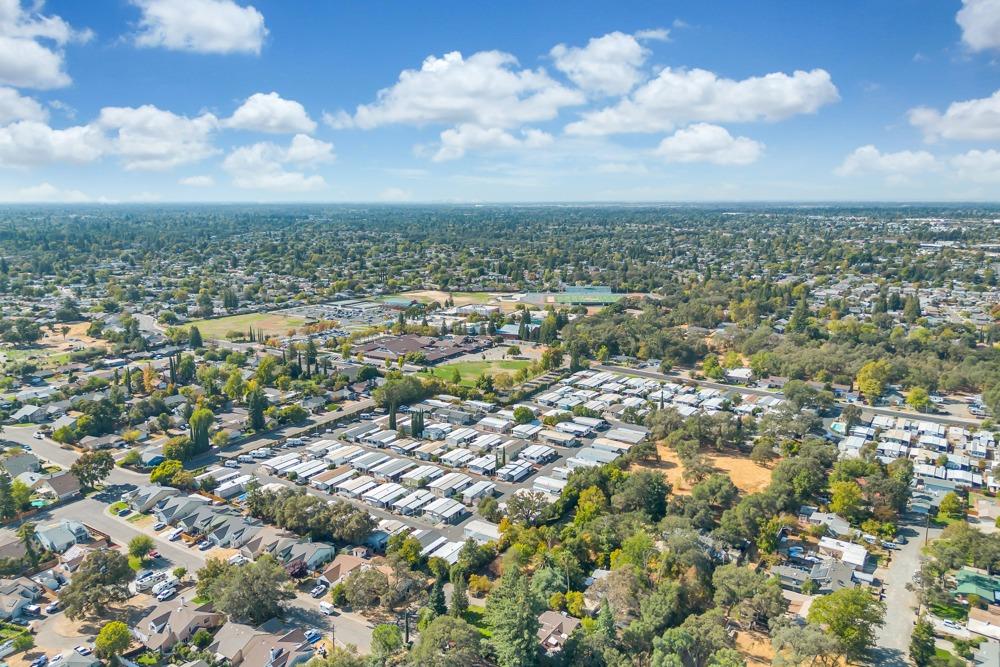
{"x":901,"y":603}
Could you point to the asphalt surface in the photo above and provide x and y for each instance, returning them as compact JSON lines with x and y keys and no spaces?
{"x":901,"y":603}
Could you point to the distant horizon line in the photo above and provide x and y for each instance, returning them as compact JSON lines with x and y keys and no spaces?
{"x":403,"y":204}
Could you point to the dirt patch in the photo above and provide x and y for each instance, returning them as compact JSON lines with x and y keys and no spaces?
{"x":460,"y":298}
{"x":53,"y":348}
{"x":748,"y":476}
{"x":755,"y":648}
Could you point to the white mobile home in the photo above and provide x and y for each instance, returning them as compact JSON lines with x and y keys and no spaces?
{"x":450,"y":484}
{"x":420,"y":476}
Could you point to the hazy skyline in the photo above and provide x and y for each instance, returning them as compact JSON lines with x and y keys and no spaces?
{"x":220,"y":100}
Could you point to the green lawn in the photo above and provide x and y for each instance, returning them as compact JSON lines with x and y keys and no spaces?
{"x":44,"y":357}
{"x":270,"y":323}
{"x":474,"y":616}
{"x":951,"y":612}
{"x":470,"y":370}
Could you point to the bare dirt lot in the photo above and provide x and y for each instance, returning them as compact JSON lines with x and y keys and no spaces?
{"x":746,"y":475}
{"x":755,"y":648}
{"x":54,"y":347}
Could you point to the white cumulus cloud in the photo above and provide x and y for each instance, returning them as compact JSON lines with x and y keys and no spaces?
{"x":980,"y":24}
{"x":269,"y":112}
{"x":262,"y":166}
{"x":31,"y":46}
{"x":703,"y":142}
{"x":677,"y":96}
{"x":200,"y":26}
{"x":977,"y":119}
{"x":14,"y":106}
{"x":895,"y":166}
{"x":978,"y":166}
{"x":305,"y":150}
{"x":30,"y":143}
{"x":455,"y":142}
{"x":608,"y":65}
{"x":486,"y":89}
{"x":148,"y":138}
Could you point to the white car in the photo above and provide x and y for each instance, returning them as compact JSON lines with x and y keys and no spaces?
{"x":83,"y":650}
{"x":166,"y":595}
{"x":952,"y":625}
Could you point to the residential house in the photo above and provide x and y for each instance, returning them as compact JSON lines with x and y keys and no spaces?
{"x":75,"y":659}
{"x":269,"y":645}
{"x":969,"y":581}
{"x":554,"y":629}
{"x":15,"y":464}
{"x":16,"y":594}
{"x":175,"y":508}
{"x":29,"y":414}
{"x":853,"y":554}
{"x":342,"y":566}
{"x":61,"y":486}
{"x":145,"y":498}
{"x":312,"y":554}
{"x":174,"y":621}
{"x":985,"y":621}
{"x":987,"y":654}
{"x":60,"y":536}
{"x":834,"y":523}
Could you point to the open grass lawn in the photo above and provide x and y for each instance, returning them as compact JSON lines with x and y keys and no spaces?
{"x":470,"y":370}
{"x":951,"y":612}
{"x":270,"y":323}
{"x":474,"y":616}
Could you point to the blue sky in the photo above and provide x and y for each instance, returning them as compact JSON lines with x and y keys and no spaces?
{"x":230,"y":100}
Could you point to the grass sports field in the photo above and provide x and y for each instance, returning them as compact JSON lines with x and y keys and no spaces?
{"x":470,"y":370}
{"x":270,"y":323}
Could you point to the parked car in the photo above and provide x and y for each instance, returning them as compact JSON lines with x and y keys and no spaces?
{"x":153,"y":554}
{"x":312,"y":635}
{"x":162,"y":596}
{"x":159,"y":525}
{"x":52,"y":608}
{"x":83,"y":650}
{"x":40,"y":661}
{"x":124,"y":512}
{"x":318,"y":590}
{"x":205,"y":545}
{"x":38,"y":435}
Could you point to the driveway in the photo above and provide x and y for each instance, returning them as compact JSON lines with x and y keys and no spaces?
{"x":901,"y":603}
